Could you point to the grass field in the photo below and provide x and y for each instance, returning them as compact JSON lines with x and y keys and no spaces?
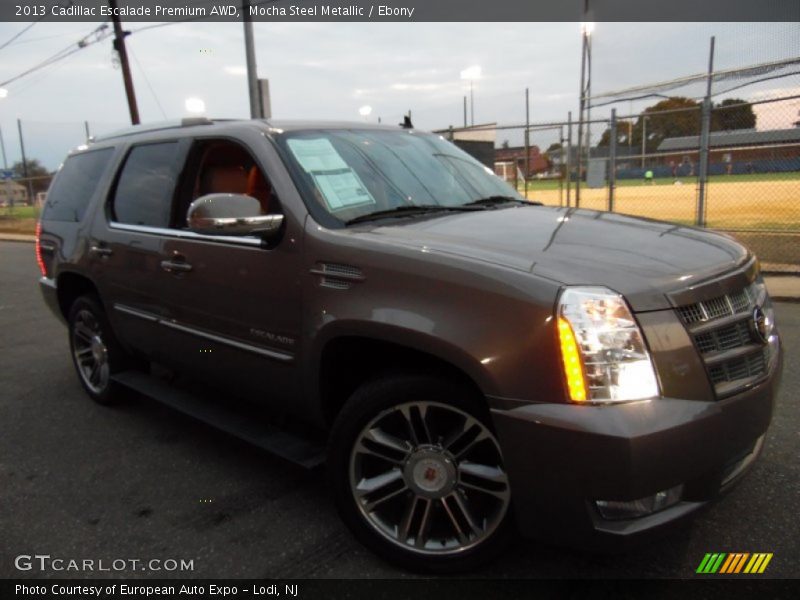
{"x":553,"y":184}
{"x":736,"y":202}
{"x":20,"y":219}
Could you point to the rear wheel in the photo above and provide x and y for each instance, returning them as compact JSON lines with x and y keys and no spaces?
{"x":95,"y":351}
{"x":418,"y":474}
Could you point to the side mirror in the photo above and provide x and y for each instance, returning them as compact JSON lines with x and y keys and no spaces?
{"x":231,"y":214}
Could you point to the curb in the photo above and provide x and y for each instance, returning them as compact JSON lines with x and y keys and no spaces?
{"x":14,"y":237}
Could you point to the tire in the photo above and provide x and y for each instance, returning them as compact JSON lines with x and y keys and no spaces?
{"x":417,"y":474}
{"x":96,"y":353}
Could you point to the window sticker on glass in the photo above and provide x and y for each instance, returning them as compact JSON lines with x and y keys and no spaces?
{"x":339,"y":185}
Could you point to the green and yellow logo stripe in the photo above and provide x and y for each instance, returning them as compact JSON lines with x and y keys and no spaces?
{"x":734,"y":563}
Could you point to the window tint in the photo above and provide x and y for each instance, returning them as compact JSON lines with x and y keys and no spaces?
{"x":145,"y":188}
{"x":75,"y":185}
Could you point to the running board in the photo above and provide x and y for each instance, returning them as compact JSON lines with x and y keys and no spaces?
{"x":293,"y":448}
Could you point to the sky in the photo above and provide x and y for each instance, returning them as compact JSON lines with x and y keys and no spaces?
{"x":330,"y":70}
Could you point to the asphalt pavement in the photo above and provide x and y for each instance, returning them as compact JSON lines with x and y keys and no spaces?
{"x":139,"y":481}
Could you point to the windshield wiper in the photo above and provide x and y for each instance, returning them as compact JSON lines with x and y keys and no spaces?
{"x":410,"y":210}
{"x":495,"y":200}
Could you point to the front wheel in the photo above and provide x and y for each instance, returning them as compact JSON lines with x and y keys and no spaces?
{"x":418,"y":475}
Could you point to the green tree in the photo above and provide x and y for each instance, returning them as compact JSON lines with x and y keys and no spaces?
{"x":39,"y":176}
{"x":673,"y":117}
{"x":624,"y":132}
{"x":732,"y":114}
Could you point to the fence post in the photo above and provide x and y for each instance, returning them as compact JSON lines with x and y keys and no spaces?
{"x":527,"y":141}
{"x":612,"y":161}
{"x":569,"y":156}
{"x":705,"y":128}
{"x":561,"y":166}
{"x":24,"y":163}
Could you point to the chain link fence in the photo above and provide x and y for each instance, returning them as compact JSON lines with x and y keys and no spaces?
{"x":739,"y":174}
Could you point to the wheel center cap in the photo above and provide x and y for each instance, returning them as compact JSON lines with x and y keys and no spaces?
{"x":98,"y":349}
{"x":431,"y":472}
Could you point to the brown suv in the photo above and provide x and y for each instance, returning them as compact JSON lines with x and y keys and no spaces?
{"x":478,"y":364}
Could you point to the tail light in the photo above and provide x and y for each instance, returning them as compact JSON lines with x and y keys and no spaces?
{"x":39,"y":260}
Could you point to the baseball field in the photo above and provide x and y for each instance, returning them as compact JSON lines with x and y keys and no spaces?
{"x":745,"y":202}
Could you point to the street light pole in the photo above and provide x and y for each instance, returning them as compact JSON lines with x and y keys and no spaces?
{"x":250,"y":57}
{"x":586,"y":62}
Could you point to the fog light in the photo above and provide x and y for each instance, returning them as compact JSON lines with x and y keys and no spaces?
{"x":615,"y":510}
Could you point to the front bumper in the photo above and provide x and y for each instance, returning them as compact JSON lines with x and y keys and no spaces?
{"x":562,"y":457}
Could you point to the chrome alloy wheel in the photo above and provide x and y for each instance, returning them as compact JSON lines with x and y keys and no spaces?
{"x":429,"y":478}
{"x":90,"y":351}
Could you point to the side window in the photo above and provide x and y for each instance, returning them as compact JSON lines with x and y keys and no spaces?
{"x":145,"y":188}
{"x":75,"y":185}
{"x":224,"y":167}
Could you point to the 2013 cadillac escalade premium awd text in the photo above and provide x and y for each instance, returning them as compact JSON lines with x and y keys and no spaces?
{"x":478,"y":364}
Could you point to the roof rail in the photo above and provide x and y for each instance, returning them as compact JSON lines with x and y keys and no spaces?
{"x":192,"y":121}
{"x":187,"y":122}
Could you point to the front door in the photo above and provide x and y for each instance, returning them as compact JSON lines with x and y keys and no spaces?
{"x":235,"y":300}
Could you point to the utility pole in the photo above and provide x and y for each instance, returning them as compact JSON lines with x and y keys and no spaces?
{"x":24,"y":164}
{"x":250,"y":56}
{"x":3,"y":148}
{"x":471,"y":105}
{"x":465,"y":112}
{"x":119,"y":46}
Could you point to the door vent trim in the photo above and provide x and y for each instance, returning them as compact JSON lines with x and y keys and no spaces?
{"x":337,"y":276}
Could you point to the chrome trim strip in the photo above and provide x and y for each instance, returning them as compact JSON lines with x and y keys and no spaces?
{"x":228,"y":341}
{"x":745,"y":462}
{"x":172,"y":324}
{"x":335,"y":275}
{"x":188,"y":235}
{"x":136,"y":313}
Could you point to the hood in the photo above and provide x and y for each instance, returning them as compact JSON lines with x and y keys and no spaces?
{"x":639,"y":258}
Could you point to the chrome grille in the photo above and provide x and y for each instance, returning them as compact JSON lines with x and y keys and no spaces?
{"x":722,"y":331}
{"x":719,"y":307}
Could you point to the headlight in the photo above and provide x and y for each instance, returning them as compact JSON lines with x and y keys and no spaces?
{"x":602,"y":348}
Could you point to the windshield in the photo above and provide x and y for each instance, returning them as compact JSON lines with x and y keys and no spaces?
{"x":347,"y":174}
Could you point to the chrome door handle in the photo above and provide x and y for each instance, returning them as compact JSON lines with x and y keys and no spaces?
{"x":175,"y":267}
{"x":101,"y":250}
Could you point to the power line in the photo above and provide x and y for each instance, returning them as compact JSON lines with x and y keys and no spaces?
{"x":20,"y":33}
{"x":147,"y":81}
{"x":195,"y":18}
{"x":37,"y":39}
{"x":98,"y":34}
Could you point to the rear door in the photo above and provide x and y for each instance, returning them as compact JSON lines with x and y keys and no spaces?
{"x":127,"y":244}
